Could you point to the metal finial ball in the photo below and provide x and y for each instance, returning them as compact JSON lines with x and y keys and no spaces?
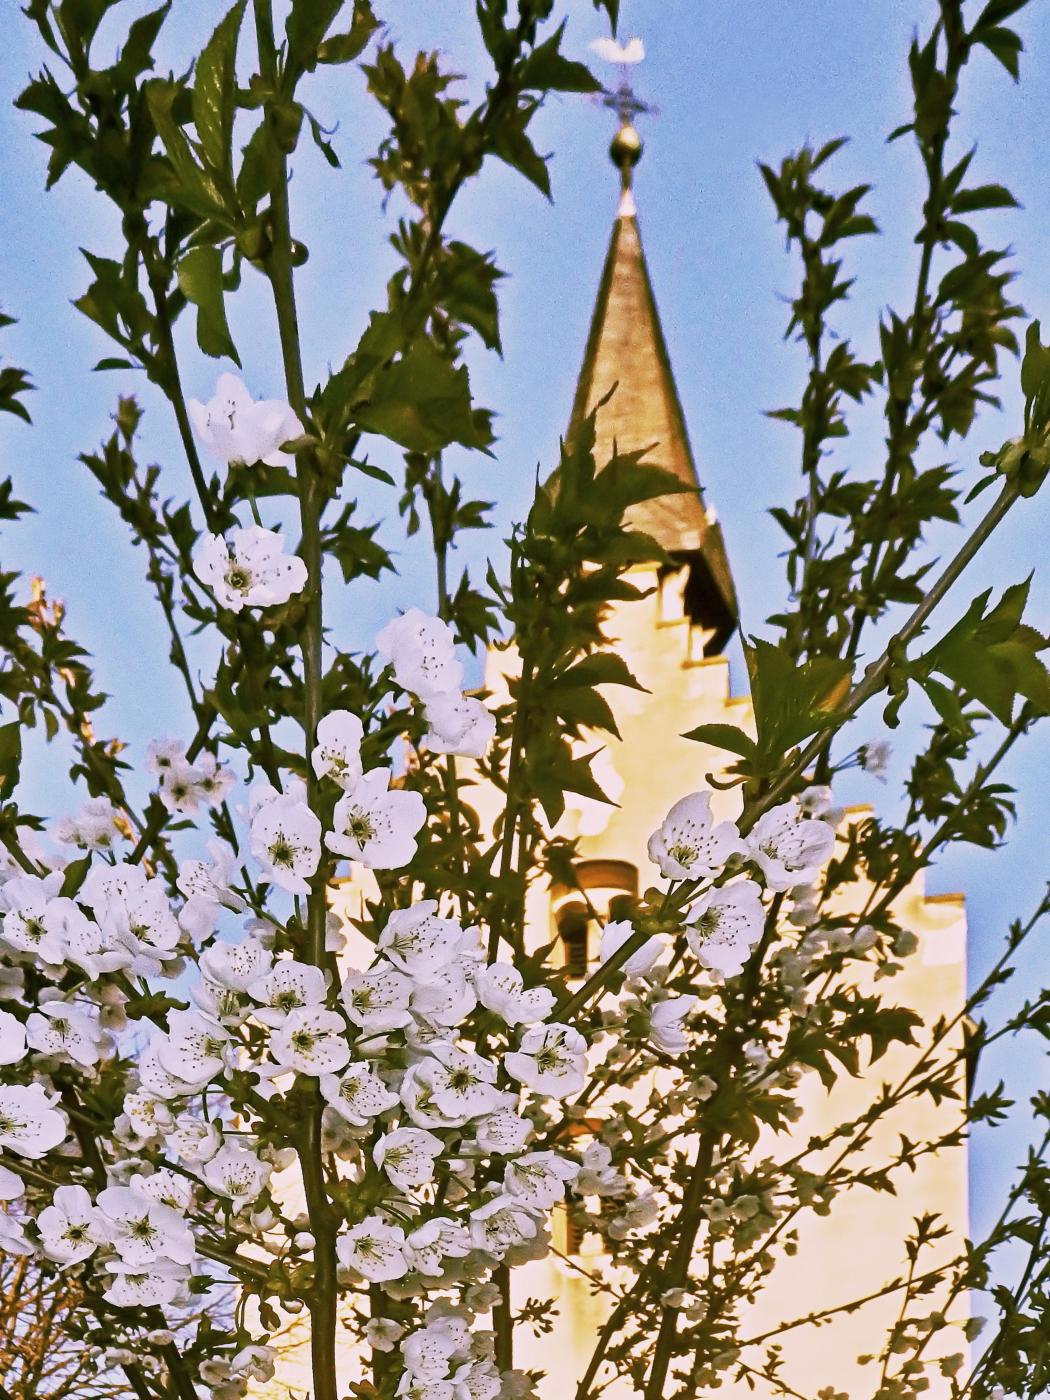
{"x":627,"y":147}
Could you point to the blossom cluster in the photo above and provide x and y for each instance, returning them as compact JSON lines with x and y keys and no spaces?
{"x":451,"y":1077}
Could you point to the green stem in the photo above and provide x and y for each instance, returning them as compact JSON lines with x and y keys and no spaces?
{"x":323,"y":1221}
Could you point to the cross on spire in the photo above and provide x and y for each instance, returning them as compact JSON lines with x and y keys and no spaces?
{"x":626,"y":148}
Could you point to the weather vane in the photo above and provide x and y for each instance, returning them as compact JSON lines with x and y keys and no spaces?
{"x":626,"y":148}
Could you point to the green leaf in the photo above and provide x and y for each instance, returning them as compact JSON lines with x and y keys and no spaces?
{"x":548,"y":70}
{"x":215,"y":91}
{"x":74,"y":876}
{"x":1006,"y":46}
{"x":307,"y":24}
{"x":983,"y":197}
{"x":422,"y":401}
{"x":792,"y":701}
{"x":200,"y":277}
{"x":10,"y":757}
{"x":994,"y":656}
{"x":344,"y":48}
{"x":724,"y":736}
{"x":193,"y":187}
{"x":600,"y":668}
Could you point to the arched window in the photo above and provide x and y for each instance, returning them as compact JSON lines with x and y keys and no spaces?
{"x":610,"y":891}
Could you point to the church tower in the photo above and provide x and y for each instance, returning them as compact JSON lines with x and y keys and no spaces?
{"x":673,"y":640}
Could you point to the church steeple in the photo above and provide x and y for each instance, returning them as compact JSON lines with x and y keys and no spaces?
{"x":626,"y":348}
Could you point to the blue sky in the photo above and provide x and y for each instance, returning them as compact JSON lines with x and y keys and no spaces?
{"x":736,"y":81}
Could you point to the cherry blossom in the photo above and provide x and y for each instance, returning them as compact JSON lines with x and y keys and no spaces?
{"x":96,"y":827}
{"x":286,"y":841}
{"x":377,"y":1000}
{"x":68,"y":1031}
{"x":407,"y":1156}
{"x":248,"y":568}
{"x":234,"y":427}
{"x":438,"y":1239}
{"x":789,"y":848}
{"x":137,"y":1286}
{"x":337,"y":754}
{"x":689,"y":845}
{"x":421,"y":650}
{"x":12,"y":1039}
{"x":29,"y":1123}
{"x":444,"y":998}
{"x":501,"y":989}
{"x":374,"y":1249}
{"x":550,"y":1060}
{"x":501,"y":1223}
{"x":643,"y":960}
{"x":504,"y":1132}
{"x":375,"y":826}
{"x":70,"y":1228}
{"x":666,"y":1024}
{"x":538,"y":1179}
{"x":31,"y":924}
{"x":195,"y":1049}
{"x":459,"y":724}
{"x":208,"y":891}
{"x":418,"y":941}
{"x":724,"y":924}
{"x":142,"y":1230}
{"x":288,"y":986}
{"x":237,"y":1173}
{"x":311,"y":1040}
{"x":357,"y":1094}
{"x":237,"y":966}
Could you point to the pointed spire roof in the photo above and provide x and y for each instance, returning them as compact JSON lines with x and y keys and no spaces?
{"x":626,"y":348}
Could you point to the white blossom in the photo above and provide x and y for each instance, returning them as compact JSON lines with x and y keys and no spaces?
{"x":724,"y":924}
{"x":237,"y":966}
{"x":32,"y":924}
{"x":29,"y":1123}
{"x":337,"y":754}
{"x":444,"y":998}
{"x":237,"y":1173}
{"x":597,"y":1175}
{"x":538,"y":1178}
{"x":377,"y":1000}
{"x":70,"y":1228}
{"x":208,"y":891}
{"x":689,"y":845}
{"x":140,"y":1286}
{"x":383,"y":1333}
{"x":418,"y":941}
{"x":501,"y":989}
{"x":459,"y":724}
{"x":234,"y":427}
{"x":643,"y":960}
{"x":667,"y":1024}
{"x":788,"y":848}
{"x":288,"y":986}
{"x":462,"y":1085}
{"x":63,"y":1029}
{"x":374,"y":1249}
{"x":195,"y":1049}
{"x":375,"y":826}
{"x":194,"y":1140}
{"x":96,"y":827}
{"x":311,"y":1040}
{"x":421,"y":650}
{"x":438,"y":1239}
{"x":286,"y":841}
{"x":357,"y":1094}
{"x":248,"y":568}
{"x":407,"y":1156}
{"x":13,"y":1046}
{"x":144,"y":1231}
{"x":550,"y":1060}
{"x":501,"y":1223}
{"x":504,"y":1131}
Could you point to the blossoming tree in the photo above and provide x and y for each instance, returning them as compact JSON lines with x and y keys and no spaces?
{"x":180,"y":1022}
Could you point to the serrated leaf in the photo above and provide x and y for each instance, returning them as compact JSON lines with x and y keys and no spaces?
{"x":215,"y":91}
{"x":982,"y":197}
{"x":421,"y":402}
